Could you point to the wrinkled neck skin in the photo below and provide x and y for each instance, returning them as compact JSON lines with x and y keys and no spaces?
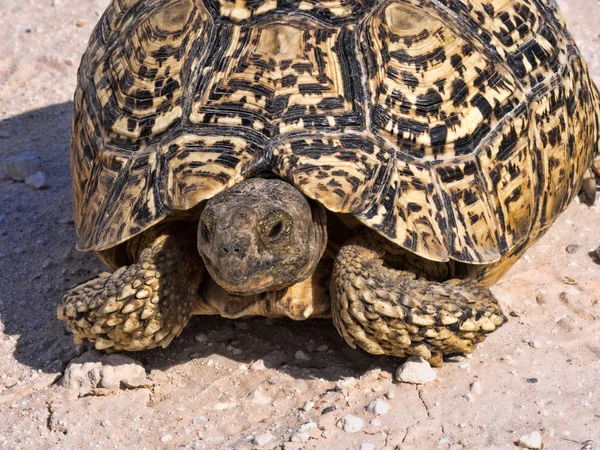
{"x":261,"y":235}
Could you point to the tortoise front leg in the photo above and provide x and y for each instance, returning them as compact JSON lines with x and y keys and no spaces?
{"x":389,"y":311}
{"x":143,"y":305}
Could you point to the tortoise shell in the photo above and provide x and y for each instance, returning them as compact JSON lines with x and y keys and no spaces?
{"x":458,"y":129}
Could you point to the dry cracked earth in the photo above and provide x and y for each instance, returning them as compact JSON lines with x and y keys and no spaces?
{"x":243,"y":384}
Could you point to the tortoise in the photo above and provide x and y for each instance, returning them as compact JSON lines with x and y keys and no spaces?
{"x":380,"y":163}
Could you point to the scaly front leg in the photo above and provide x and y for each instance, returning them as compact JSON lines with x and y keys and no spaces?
{"x":389,"y":311}
{"x":143,"y":305}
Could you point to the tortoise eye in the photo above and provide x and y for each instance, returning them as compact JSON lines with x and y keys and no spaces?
{"x":276,"y":230}
{"x":205,"y":232}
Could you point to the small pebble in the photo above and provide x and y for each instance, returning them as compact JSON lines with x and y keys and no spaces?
{"x":476,"y":387}
{"x":463,"y":365}
{"x":378,"y":407}
{"x":223,"y":406}
{"x":350,"y":423}
{"x":572,"y":248}
{"x":469,"y":397}
{"x":237,"y":352}
{"x":166,"y":438}
{"x":259,"y":398}
{"x":199,"y":419}
{"x":328,"y":409}
{"x":200,"y":338}
{"x":262,"y":439}
{"x":367,"y":446}
{"x":37,"y":180}
{"x":308,"y":406}
{"x":301,"y":356}
{"x":390,"y":395}
{"x":257,"y":365}
{"x":243,"y":367}
{"x":532,"y":440}
{"x":307,"y":426}
{"x":20,"y":167}
{"x":416,"y":371}
{"x":375,"y":422}
{"x":137,"y":383}
{"x":322,"y":348}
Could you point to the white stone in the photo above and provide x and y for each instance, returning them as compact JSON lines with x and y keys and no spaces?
{"x":476,"y":387}
{"x":416,"y":371}
{"x":223,"y":406}
{"x":237,"y":351}
{"x":375,"y":422}
{"x":307,"y":426}
{"x":346,"y":383}
{"x":350,"y":423}
{"x":301,"y":356}
{"x":390,"y":395}
{"x":166,"y":438}
{"x":531,"y":440}
{"x":19,"y":167}
{"x":199,"y":338}
{"x":262,"y":439}
{"x":322,"y":348}
{"x":96,"y":370}
{"x":378,"y":407}
{"x":259,"y":398}
{"x":37,"y":180}
{"x":367,"y":446}
{"x":300,"y":437}
{"x":308,"y":406}
{"x":257,"y":365}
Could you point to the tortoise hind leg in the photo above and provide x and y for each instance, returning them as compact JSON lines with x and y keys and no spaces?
{"x":591,"y":180}
{"x":143,"y":305}
{"x":388,"y":311}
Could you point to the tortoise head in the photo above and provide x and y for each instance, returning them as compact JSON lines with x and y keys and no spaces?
{"x":261,"y":235}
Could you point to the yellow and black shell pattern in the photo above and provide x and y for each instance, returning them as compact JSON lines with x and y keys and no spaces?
{"x":458,"y":129}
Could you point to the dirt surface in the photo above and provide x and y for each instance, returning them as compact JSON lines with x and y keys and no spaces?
{"x":226,"y":384}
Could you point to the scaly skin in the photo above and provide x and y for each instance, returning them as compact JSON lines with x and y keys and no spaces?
{"x":388,"y":311}
{"x":143,"y":305}
{"x":307,"y":299}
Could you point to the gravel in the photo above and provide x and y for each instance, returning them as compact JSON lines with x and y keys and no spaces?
{"x":531,"y":440}
{"x":308,"y":406}
{"x":37,"y":180}
{"x":378,"y":407}
{"x":416,"y":371}
{"x":257,"y":365}
{"x":262,"y":439}
{"x":20,"y":167}
{"x":350,"y":423}
{"x":301,"y":356}
{"x":258,"y":397}
{"x":95,"y":370}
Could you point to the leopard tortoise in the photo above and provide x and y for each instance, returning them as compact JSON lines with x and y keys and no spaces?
{"x":377,"y":162}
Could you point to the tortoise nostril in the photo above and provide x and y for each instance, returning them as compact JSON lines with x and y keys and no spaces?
{"x":225,"y":250}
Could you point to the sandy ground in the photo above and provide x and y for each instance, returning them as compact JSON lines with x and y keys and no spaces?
{"x":540,"y":372}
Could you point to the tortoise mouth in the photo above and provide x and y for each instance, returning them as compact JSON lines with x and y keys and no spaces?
{"x":261,"y":235}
